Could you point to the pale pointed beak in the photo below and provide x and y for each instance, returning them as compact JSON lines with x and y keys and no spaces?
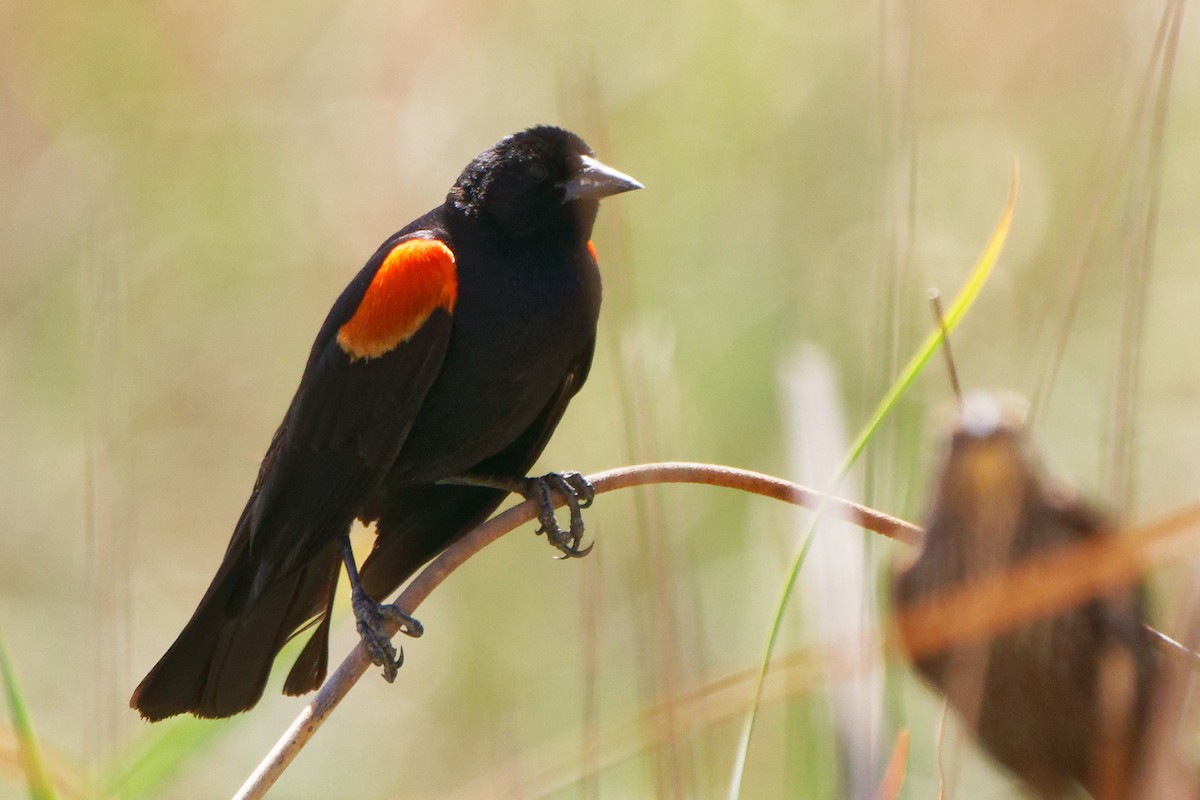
{"x":595,"y":180}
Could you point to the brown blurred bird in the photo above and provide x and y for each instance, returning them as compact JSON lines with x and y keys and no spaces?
{"x":1061,"y":700}
{"x":433,"y":386}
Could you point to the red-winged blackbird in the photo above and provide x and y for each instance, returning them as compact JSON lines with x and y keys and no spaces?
{"x":1060,"y":700}
{"x":430,"y":391}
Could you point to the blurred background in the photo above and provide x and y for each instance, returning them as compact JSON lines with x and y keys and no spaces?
{"x":185,"y":187}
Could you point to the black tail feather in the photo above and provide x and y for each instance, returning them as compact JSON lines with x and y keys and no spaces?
{"x":219,"y":664}
{"x":308,"y":673}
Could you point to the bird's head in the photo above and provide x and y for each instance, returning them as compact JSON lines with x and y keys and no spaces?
{"x":538,"y":181}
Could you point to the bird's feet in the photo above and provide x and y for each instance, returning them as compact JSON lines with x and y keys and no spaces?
{"x":370,"y":617}
{"x":574,"y":489}
{"x":577,"y":493}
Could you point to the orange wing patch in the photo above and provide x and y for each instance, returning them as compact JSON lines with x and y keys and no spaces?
{"x":592,"y":249}
{"x":416,"y":278}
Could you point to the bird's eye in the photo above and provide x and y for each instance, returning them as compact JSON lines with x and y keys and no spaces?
{"x":538,"y":171}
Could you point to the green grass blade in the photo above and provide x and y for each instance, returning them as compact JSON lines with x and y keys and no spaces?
{"x":159,"y":756}
{"x":962,"y":303}
{"x":40,"y":787}
{"x":164,"y":749}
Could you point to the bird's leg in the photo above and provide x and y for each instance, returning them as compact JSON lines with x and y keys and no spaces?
{"x":574,"y":489}
{"x":370,"y":617}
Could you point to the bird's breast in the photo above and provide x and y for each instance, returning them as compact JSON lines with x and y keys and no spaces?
{"x":517,"y":330}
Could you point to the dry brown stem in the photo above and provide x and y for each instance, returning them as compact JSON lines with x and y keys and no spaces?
{"x":1048,"y":583}
{"x":355,"y":664}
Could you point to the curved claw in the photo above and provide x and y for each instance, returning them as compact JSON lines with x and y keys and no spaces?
{"x":409,"y":625}
{"x":577,"y":494}
{"x":381,"y":651}
{"x":369,"y":617}
{"x":574,"y":552}
{"x":584,"y":492}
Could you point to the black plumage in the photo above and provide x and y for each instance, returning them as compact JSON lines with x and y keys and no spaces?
{"x":478,"y":388}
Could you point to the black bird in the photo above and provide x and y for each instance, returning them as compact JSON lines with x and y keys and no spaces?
{"x":431,"y":389}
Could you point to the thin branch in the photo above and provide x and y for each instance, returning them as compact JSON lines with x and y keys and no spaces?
{"x":357,"y":663}
{"x":1056,"y":580}
{"x":935,"y":301}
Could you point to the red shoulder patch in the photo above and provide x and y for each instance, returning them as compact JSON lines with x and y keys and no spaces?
{"x":592,"y":249}
{"x":417,"y":277}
